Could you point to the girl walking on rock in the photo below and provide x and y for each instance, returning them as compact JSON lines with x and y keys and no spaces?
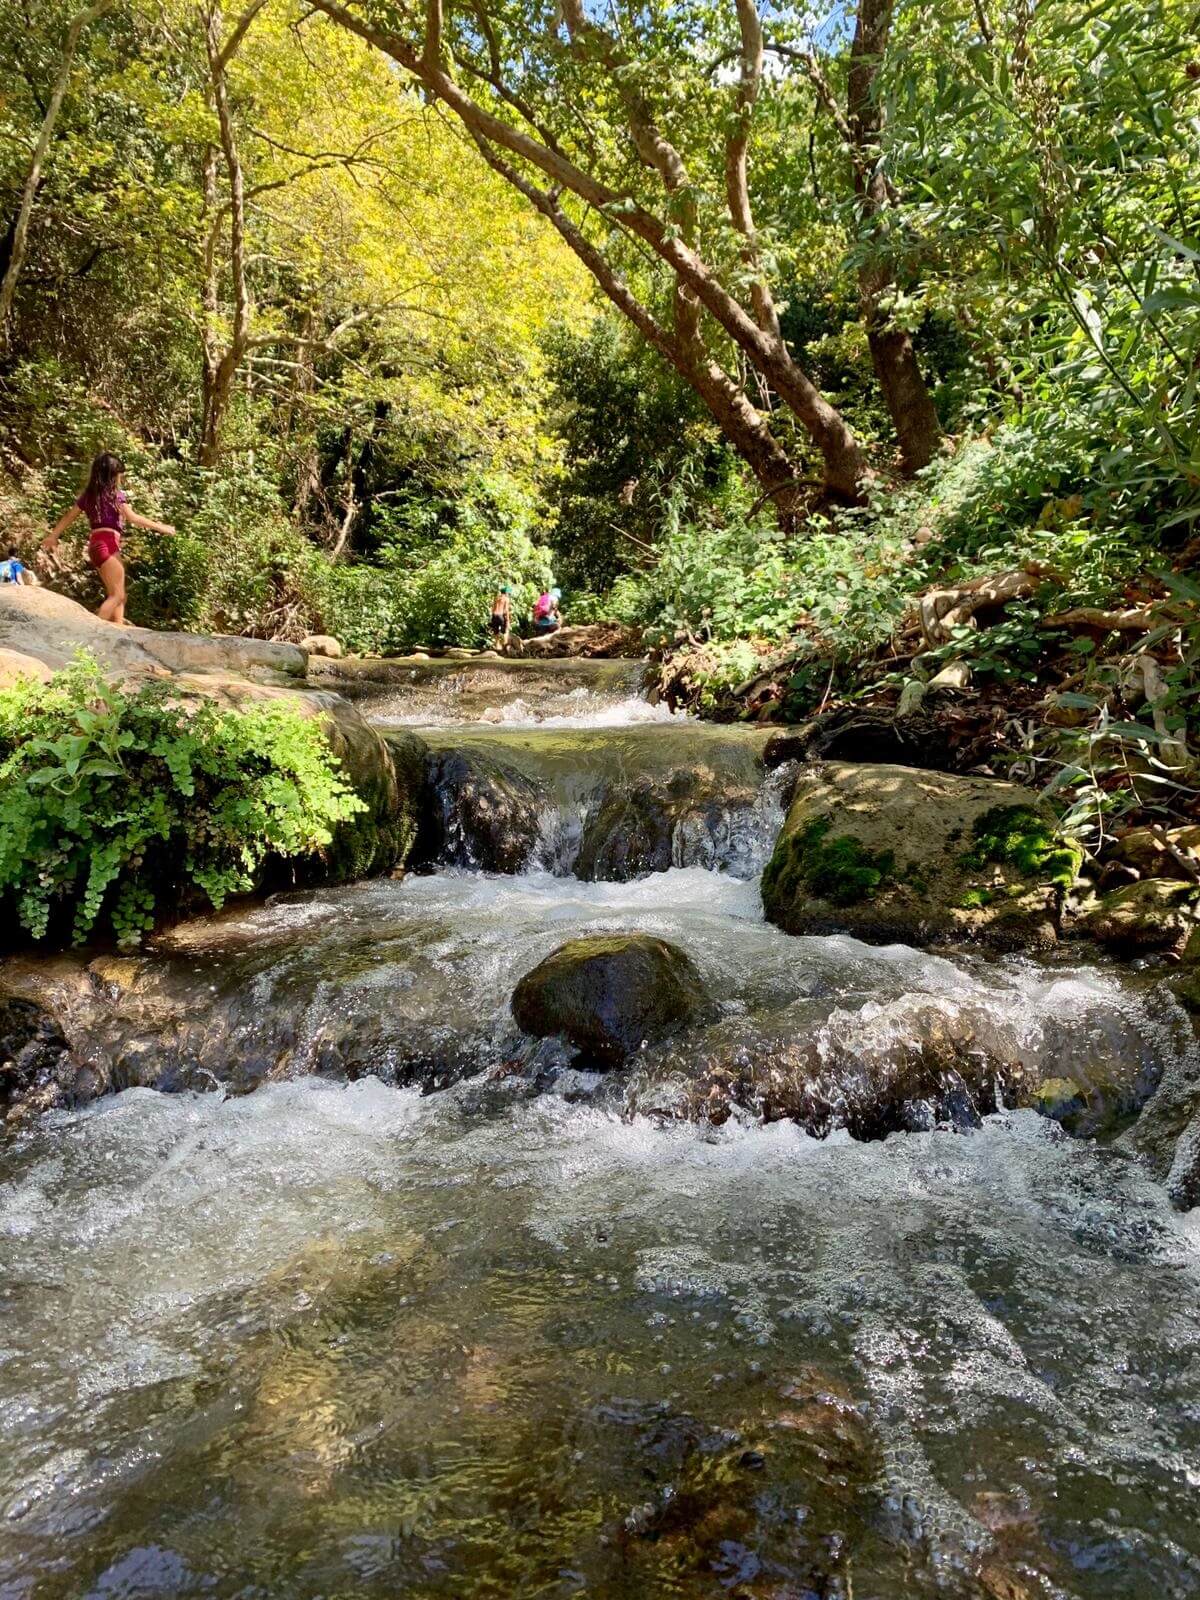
{"x":106,"y":506}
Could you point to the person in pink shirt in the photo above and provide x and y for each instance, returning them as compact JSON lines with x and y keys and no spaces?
{"x":106,"y":506}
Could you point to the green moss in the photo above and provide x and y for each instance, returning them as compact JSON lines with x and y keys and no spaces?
{"x":1017,"y":837}
{"x":840,"y":870}
{"x":975,"y":899}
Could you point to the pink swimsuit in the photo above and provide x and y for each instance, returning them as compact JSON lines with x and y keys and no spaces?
{"x":106,"y":513}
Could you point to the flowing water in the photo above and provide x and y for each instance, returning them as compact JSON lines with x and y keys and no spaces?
{"x":529,"y":1336}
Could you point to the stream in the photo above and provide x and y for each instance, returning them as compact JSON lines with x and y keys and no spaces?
{"x":434,"y":1312}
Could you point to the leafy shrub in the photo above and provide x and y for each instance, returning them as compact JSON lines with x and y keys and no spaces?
{"x":115,"y":802}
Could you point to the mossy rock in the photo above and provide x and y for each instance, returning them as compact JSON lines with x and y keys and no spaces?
{"x":610,"y":993}
{"x":899,"y":853}
{"x":388,"y":773}
{"x":1155,"y":914}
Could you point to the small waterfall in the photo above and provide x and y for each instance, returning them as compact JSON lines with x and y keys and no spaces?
{"x":607,"y":804}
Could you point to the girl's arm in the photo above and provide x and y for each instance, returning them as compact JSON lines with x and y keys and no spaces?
{"x":147,"y":522}
{"x":60,"y":527}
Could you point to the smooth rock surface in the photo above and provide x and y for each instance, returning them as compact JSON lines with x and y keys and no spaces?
{"x":609,"y":994}
{"x":15,"y":664}
{"x":48,"y":626}
{"x":323,"y":644}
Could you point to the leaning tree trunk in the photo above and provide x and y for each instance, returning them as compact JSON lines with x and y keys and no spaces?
{"x":843,"y":459}
{"x":905,"y":392}
{"x":741,"y":423}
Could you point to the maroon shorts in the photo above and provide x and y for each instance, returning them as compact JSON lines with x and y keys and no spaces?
{"x":105,"y":542}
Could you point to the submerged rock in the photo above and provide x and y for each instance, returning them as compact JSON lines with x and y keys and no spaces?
{"x":886,"y":1074}
{"x":896,"y":853}
{"x":609,"y":994}
{"x":906,"y":1065}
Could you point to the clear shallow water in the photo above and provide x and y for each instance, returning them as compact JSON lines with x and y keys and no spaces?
{"x":332,"y":1340}
{"x":336,"y":1339}
{"x":556,"y":694}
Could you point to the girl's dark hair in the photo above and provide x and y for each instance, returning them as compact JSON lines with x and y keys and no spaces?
{"x":106,"y":469}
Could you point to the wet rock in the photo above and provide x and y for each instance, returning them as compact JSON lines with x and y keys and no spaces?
{"x":654,"y":823}
{"x":35,"y":1069}
{"x":1183,"y":1179}
{"x":609,"y":994}
{"x":886,"y":1074}
{"x":387,"y":769}
{"x":908,"y":1065}
{"x":896,"y":853}
{"x":478,"y":811}
{"x":1154,"y":914}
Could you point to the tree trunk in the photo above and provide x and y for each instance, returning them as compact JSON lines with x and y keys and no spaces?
{"x":220,"y":371}
{"x":845,"y":464}
{"x":33,"y":179}
{"x":905,"y":392}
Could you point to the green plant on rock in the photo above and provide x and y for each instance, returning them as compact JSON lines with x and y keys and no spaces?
{"x":1017,"y":837}
{"x":117,"y":803}
{"x":841,"y":870}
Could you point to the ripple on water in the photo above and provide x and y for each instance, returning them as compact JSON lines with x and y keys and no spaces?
{"x":349,"y":1312}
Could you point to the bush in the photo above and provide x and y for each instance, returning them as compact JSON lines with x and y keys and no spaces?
{"x":438,"y":566}
{"x":116,"y":803}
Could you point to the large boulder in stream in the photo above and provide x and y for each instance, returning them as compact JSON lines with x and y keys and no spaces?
{"x":894,"y":853}
{"x":609,"y":994}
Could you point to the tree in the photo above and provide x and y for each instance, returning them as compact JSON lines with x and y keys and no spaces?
{"x":583,"y":111}
{"x":19,"y":232}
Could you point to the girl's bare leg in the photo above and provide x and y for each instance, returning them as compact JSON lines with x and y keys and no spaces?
{"x":112,"y":573}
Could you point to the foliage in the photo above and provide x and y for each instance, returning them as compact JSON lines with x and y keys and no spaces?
{"x":114,"y":803}
{"x":633,"y":437}
{"x":433,"y":583}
